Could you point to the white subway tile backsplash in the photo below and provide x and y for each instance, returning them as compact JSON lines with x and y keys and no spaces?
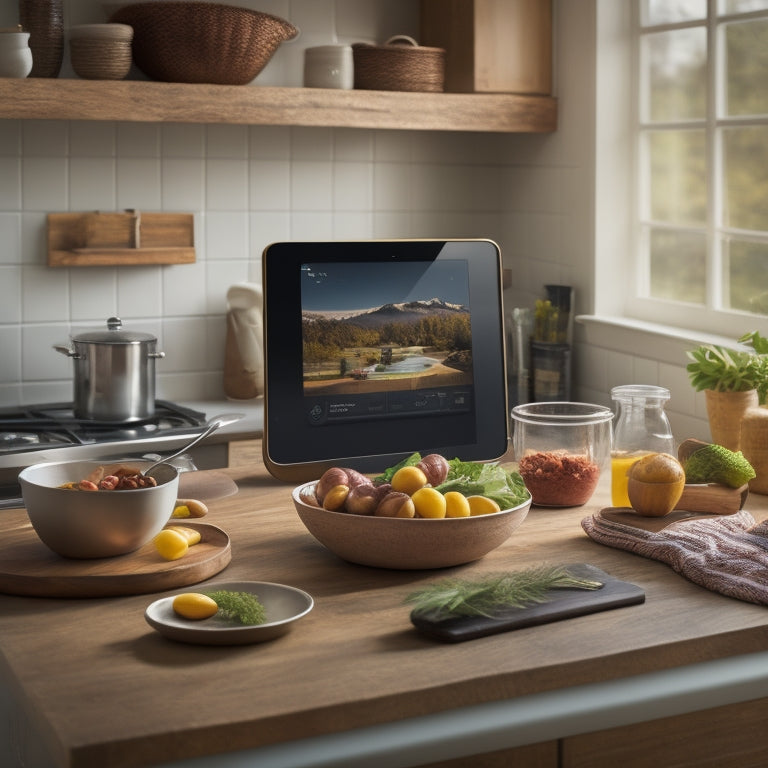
{"x":10,"y":296}
{"x":269,"y":142}
{"x":265,"y":228}
{"x":138,"y":183}
{"x":140,"y":292}
{"x":226,"y":235}
{"x":10,"y":184}
{"x":34,"y":246}
{"x":311,"y":186}
{"x":184,"y":291}
{"x":269,"y":185}
{"x":226,"y":185}
{"x":10,"y":238}
{"x":183,"y":184}
{"x":44,"y":183}
{"x":39,"y":361}
{"x":92,"y":138}
{"x":45,"y":138}
{"x":10,"y":344}
{"x":138,"y":139}
{"x":93,"y":294}
{"x":353,"y":145}
{"x":226,"y":141}
{"x":352,"y":187}
{"x":184,"y":351}
{"x":44,"y":295}
{"x":311,"y":144}
{"x":307,"y":225}
{"x":92,"y":184}
{"x":392,"y":187}
{"x":182,"y":140}
{"x":10,"y":138}
{"x":220,"y":275}
{"x":352,"y":225}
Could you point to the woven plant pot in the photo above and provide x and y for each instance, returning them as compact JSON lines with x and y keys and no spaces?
{"x":101,"y":51}
{"x":198,"y":42}
{"x":725,"y":411}
{"x":44,"y":20}
{"x":399,"y":65}
{"x":754,"y":446}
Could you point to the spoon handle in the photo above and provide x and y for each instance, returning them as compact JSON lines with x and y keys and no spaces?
{"x":213,"y":425}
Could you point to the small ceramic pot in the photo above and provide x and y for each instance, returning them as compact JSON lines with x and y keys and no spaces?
{"x":15,"y":53}
{"x":329,"y":66}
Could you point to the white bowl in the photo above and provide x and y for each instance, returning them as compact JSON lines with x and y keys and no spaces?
{"x":93,"y":524}
{"x":408,"y":543}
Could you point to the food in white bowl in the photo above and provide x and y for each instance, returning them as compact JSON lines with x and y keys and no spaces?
{"x":421,"y":534}
{"x":97,"y":523}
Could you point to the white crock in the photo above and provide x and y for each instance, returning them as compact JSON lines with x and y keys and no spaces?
{"x":15,"y":53}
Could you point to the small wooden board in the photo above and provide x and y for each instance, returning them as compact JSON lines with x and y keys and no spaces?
{"x":564,"y":604}
{"x":28,"y":567}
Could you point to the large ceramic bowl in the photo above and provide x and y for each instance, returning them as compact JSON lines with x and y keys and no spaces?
{"x":408,"y":543}
{"x":93,"y":524}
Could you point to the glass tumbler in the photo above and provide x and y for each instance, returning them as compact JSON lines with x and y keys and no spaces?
{"x":561,"y":449}
{"x":641,"y":428}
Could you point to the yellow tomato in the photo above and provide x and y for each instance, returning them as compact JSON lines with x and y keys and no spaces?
{"x":193,"y":605}
{"x":171,"y":544}
{"x":429,"y":503}
{"x":482,"y":505}
{"x":408,"y":480}
{"x":192,"y":535}
{"x":456,"y":504}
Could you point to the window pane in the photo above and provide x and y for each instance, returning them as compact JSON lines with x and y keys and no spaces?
{"x":745,"y":173}
{"x":667,"y":11}
{"x":675,"y":67}
{"x":746,"y":56}
{"x":746,"y":276}
{"x":678,"y":189}
{"x":742,"y":6}
{"x":678,"y":266}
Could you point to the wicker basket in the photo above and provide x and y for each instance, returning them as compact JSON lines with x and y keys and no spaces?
{"x":399,"y":65}
{"x":101,"y":51}
{"x":199,"y":42}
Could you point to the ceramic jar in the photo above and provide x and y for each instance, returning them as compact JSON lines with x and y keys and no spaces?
{"x":15,"y":53}
{"x":329,"y":66}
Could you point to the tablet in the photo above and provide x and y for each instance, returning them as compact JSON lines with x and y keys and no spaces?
{"x":377,"y":349}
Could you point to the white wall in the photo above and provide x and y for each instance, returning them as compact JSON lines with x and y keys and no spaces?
{"x":249,"y":186}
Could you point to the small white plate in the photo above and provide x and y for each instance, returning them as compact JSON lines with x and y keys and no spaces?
{"x":283,"y":606}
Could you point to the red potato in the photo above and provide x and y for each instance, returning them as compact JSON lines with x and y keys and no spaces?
{"x":363,"y":499}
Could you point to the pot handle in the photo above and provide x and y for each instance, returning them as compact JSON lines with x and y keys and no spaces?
{"x":65,"y":350}
{"x":157,"y":355}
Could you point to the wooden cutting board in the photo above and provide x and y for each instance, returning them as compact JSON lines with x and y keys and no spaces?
{"x":564,"y":604}
{"x":28,"y":567}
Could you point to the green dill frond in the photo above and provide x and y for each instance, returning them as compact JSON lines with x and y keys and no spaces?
{"x":493,"y":592}
{"x":239,"y":607}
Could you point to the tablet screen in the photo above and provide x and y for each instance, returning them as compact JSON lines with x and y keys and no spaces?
{"x":378,"y":349}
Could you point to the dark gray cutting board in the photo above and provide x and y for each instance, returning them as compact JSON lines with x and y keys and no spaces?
{"x":565,"y":604}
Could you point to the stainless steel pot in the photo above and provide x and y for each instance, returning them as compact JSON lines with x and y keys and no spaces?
{"x":114,"y":373}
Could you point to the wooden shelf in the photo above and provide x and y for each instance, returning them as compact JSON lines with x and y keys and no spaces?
{"x":143,"y":101}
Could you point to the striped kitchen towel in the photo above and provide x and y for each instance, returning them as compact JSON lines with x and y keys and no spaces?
{"x":723,"y":553}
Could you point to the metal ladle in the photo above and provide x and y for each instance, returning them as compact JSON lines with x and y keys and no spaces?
{"x":162,"y":471}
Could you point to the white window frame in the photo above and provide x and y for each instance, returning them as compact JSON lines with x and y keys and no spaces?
{"x":620,"y":261}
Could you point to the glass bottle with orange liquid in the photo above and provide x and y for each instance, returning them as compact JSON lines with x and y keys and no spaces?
{"x":641,"y":427}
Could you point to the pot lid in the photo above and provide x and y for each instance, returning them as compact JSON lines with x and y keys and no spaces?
{"x":114,"y":334}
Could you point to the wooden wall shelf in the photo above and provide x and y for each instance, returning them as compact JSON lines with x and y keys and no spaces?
{"x":144,"y":101}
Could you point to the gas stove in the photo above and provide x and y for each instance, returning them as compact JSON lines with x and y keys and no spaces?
{"x":51,"y":432}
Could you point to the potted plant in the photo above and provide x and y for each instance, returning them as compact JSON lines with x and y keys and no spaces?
{"x":733,"y":381}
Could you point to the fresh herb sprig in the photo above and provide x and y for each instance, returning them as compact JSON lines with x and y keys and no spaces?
{"x":238,"y":607}
{"x":493,"y":592}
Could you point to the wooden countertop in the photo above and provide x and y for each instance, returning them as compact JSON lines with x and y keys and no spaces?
{"x":103,"y":689}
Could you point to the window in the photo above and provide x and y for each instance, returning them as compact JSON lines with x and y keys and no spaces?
{"x":701,"y":81}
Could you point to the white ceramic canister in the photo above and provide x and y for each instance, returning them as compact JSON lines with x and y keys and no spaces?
{"x":15,"y":53}
{"x":329,"y":66}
